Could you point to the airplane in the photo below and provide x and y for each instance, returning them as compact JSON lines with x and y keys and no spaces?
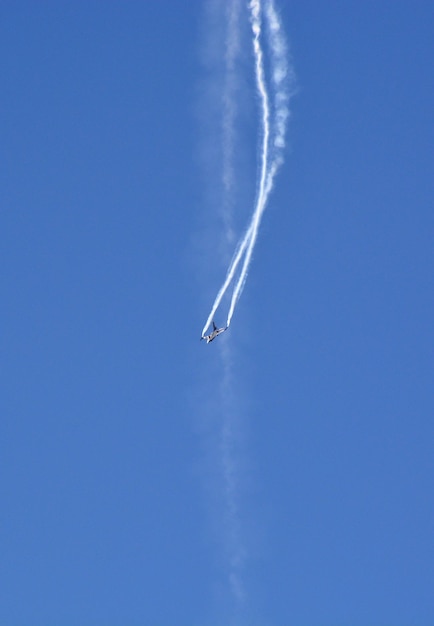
{"x":216,"y":331}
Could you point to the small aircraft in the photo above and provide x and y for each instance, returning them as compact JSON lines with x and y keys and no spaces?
{"x":216,"y":331}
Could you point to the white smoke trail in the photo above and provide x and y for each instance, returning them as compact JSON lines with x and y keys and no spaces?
{"x":251,"y":235}
{"x":229,"y":277}
{"x":277,"y":44}
{"x":273,"y":100}
{"x":255,"y":8}
{"x":230,"y":465}
{"x":232,"y":50}
{"x":233,"y":543}
{"x":273,"y":123}
{"x":229,"y":114}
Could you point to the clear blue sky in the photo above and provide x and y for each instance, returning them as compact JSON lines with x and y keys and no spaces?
{"x":111,"y":409}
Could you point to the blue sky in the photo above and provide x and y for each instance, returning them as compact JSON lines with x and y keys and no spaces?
{"x":114,"y":505}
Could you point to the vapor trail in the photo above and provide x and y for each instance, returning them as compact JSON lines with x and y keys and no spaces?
{"x":252,"y":233}
{"x":228,"y":444}
{"x":274,"y":118}
{"x":270,"y":164}
{"x":255,"y":8}
{"x":229,"y":114}
{"x":229,"y":277}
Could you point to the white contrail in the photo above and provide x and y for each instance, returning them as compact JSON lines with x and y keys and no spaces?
{"x":255,"y":8}
{"x":277,"y":44}
{"x":273,"y":124}
{"x":269,"y":51}
{"x":252,"y":233}
{"x":229,"y":114}
{"x":233,"y":543}
{"x":229,"y":277}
